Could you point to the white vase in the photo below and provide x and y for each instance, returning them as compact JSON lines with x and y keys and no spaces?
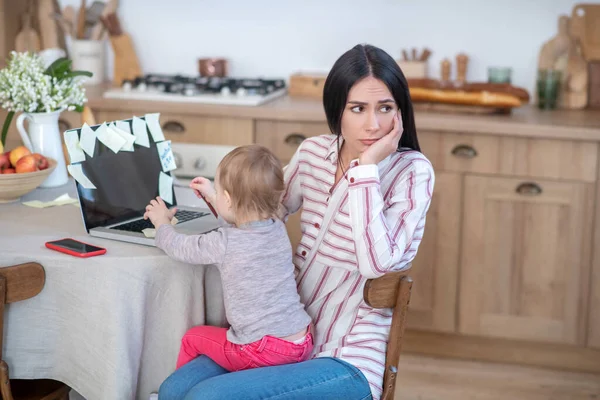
{"x":43,"y":136}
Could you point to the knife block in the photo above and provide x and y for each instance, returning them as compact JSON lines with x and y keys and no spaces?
{"x":126,"y":64}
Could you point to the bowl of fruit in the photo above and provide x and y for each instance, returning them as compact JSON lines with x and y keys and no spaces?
{"x":21,"y":171}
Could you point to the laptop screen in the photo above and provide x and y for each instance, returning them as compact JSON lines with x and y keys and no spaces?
{"x":125,"y":183}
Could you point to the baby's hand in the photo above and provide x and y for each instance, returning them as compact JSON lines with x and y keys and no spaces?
{"x":158,"y":212}
{"x":203,"y":189}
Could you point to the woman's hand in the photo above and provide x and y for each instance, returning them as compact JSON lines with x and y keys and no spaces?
{"x":203,"y":189}
{"x":158,"y":213}
{"x":384,"y":146}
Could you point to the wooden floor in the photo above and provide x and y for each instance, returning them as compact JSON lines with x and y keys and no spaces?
{"x":424,"y":378}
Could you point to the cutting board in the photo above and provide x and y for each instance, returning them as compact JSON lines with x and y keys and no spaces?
{"x":49,"y":32}
{"x":27,"y":39}
{"x":585,"y":26}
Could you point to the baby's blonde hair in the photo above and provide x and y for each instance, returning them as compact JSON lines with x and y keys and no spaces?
{"x":253,"y":177}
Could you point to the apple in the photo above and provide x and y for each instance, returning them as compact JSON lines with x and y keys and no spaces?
{"x":16,"y":153}
{"x":42,"y":162}
{"x":8,"y":171}
{"x":26,"y":163}
{"x":4,"y":161}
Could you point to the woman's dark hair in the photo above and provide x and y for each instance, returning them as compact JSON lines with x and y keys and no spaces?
{"x":360,"y":62}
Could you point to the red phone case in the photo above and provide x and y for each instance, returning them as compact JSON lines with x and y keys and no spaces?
{"x":50,"y":245}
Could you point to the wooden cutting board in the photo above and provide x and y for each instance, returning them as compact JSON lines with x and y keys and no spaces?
{"x":585,"y":26}
{"x":27,"y":39}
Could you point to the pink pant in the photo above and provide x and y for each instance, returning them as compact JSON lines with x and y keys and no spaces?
{"x":268,"y":351}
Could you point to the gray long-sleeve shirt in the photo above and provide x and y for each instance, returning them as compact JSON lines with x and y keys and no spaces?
{"x":257,"y":273}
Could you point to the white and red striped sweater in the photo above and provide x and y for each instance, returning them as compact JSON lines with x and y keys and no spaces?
{"x":369,"y":223}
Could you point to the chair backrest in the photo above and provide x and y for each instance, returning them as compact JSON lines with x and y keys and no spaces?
{"x":19,"y":282}
{"x":392,"y":290}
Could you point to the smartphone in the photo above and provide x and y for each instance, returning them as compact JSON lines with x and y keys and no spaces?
{"x":75,"y":248}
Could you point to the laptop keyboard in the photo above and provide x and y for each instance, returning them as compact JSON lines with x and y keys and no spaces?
{"x":141,"y":224}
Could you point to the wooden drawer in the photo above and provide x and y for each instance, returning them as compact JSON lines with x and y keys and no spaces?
{"x":194,"y":129}
{"x":283,"y":138}
{"x":511,"y":156}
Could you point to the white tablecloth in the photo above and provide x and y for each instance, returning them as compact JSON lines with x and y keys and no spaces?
{"x":108,"y":326}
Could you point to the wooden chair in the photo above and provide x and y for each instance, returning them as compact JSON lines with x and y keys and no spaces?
{"x":392,"y":290}
{"x":21,"y":282}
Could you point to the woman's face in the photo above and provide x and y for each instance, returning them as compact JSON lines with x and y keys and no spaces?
{"x":367,"y":117}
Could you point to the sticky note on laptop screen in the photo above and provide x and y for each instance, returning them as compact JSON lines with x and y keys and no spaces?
{"x":125,"y":182}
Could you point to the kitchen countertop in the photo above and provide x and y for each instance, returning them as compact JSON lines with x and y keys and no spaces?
{"x":526,"y":121}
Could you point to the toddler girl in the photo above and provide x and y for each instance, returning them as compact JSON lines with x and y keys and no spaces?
{"x":268,"y":323}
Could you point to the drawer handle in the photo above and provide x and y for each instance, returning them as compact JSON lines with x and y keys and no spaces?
{"x":173,"y":127}
{"x":464,"y":151}
{"x":63,"y":125}
{"x":295,"y":139}
{"x":529,"y":189}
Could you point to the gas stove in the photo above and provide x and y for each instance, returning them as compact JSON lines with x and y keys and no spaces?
{"x":200,"y":89}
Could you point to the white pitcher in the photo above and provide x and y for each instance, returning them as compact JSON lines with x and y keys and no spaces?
{"x":44,"y":138}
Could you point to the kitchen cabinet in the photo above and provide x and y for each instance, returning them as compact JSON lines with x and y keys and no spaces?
{"x":525,"y":259}
{"x":435,"y":268}
{"x":508,"y":268}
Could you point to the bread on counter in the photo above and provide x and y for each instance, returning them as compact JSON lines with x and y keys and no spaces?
{"x":495,"y":95}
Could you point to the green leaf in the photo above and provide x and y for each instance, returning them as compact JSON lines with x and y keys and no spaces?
{"x":6,"y":125}
{"x":59,"y":68}
{"x":73,"y":74}
{"x":78,"y":107}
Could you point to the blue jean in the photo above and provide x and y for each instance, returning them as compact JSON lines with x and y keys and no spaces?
{"x":319,"y":378}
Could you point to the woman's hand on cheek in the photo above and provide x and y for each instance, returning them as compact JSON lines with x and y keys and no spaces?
{"x":158,"y":213}
{"x":384,"y":146}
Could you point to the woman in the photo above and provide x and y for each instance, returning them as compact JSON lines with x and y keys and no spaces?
{"x":365,"y":190}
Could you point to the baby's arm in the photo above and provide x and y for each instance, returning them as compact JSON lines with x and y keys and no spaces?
{"x":208,"y":248}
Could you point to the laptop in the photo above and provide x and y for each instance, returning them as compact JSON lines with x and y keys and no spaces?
{"x":125,"y":183}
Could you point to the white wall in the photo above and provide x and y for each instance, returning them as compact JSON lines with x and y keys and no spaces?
{"x":274,"y":38}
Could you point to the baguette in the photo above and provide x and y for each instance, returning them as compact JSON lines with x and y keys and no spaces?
{"x":505,"y":88}
{"x":481,"y":98}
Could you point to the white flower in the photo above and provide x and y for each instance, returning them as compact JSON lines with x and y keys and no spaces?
{"x":25,"y":87}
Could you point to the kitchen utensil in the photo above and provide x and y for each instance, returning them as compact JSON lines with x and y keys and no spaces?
{"x":405,"y":55}
{"x":69,"y":16}
{"x":27,"y":39}
{"x":462,"y":61}
{"x":213,"y":67}
{"x":414,"y":53}
{"x":585,"y":26}
{"x":126,"y":64}
{"x":425,"y":55}
{"x":65,"y":25}
{"x":93,"y":25}
{"x":81,"y":21}
{"x":445,"y":68}
{"x":94,"y":12}
{"x":98,"y":30}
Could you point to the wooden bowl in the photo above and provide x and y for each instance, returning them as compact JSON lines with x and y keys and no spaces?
{"x":13,"y":186}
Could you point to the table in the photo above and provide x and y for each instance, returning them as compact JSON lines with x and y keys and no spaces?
{"x":108,"y":326}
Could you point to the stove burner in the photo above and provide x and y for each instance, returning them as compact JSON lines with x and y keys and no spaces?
{"x":194,"y":86}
